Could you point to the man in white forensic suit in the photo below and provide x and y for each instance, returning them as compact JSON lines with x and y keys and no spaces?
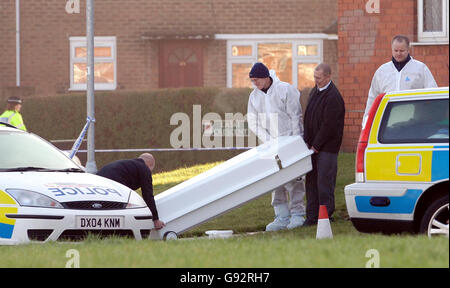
{"x":274,"y":110}
{"x":401,"y":73}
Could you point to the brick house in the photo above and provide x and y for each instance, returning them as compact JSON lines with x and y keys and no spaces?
{"x":366,"y":29}
{"x":150,"y":44}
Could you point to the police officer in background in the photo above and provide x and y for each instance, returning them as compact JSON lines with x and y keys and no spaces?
{"x":12,"y":113}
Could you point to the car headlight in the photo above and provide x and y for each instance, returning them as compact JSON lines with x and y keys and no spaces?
{"x":135,"y":201}
{"x":33,"y":199}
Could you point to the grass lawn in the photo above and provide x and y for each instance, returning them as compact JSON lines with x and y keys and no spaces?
{"x":255,"y":215}
{"x":296,"y":248}
{"x":288,"y":249}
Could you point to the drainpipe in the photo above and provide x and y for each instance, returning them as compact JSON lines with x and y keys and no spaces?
{"x":18,"y":43}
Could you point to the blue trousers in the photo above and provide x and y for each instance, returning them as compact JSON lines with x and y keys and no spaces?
{"x":320,"y":184}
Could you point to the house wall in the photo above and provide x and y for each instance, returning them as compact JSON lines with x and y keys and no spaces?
{"x":7,"y":46}
{"x":46,"y":28}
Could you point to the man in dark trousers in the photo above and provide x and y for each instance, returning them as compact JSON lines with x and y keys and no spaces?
{"x":324,"y":126}
{"x":135,"y":173}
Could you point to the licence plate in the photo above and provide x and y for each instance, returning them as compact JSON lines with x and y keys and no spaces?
{"x":100,"y":222}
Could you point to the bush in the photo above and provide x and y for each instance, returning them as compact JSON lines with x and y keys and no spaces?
{"x":133,"y":120}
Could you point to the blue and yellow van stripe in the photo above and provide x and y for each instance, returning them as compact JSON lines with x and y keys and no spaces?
{"x":6,"y":224}
{"x":398,"y":205}
{"x":419,"y":163}
{"x":440,"y":160}
{"x":428,"y":93}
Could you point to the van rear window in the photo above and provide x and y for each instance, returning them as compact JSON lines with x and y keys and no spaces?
{"x":421,"y":121}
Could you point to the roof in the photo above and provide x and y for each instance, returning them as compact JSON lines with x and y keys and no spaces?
{"x":199,"y":19}
{"x":418,"y":92}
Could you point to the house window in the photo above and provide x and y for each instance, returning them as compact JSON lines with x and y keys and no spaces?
{"x":239,"y":70}
{"x":305,"y":75}
{"x":293,"y":61}
{"x":104,"y":63}
{"x":241,"y":50}
{"x":433,"y":21}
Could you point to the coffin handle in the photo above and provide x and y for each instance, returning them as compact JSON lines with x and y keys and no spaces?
{"x":280,"y":165}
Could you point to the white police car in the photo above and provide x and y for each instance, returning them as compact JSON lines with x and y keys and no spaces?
{"x":45,"y":196}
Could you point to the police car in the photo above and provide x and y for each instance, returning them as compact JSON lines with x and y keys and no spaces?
{"x":402,"y":165}
{"x":45,"y":196}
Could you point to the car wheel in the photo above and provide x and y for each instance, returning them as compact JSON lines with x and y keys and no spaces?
{"x":170,"y":235}
{"x":435,"y":220}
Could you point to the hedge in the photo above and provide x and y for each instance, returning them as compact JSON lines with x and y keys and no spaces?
{"x":133,"y":120}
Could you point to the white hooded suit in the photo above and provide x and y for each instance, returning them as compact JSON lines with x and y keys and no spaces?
{"x":278,"y":113}
{"x":415,"y":75}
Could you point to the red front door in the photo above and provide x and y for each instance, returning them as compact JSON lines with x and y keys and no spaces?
{"x":181,"y":64}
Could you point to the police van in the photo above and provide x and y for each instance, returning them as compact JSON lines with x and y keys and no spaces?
{"x":402,"y":165}
{"x":45,"y":196}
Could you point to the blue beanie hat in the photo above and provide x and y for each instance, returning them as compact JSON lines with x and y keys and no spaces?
{"x":259,"y":70}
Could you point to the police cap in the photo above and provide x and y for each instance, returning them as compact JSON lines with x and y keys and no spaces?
{"x":14,"y":100}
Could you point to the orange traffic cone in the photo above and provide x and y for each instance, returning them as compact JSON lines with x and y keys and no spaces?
{"x":323,"y":225}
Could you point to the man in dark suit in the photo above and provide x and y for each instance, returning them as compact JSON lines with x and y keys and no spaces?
{"x":324,"y":126}
{"x":135,"y":173}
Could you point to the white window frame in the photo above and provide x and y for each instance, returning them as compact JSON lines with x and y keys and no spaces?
{"x":253,"y":41}
{"x":239,"y":59}
{"x":100,"y":41}
{"x":433,"y":37}
{"x":305,"y":59}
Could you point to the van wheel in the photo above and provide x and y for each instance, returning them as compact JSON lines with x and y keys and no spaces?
{"x":435,"y":220}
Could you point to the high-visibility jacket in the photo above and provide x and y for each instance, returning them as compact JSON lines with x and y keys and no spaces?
{"x":14,"y":118}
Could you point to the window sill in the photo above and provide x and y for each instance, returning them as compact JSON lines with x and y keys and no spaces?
{"x":96,"y":89}
{"x":429,"y":43}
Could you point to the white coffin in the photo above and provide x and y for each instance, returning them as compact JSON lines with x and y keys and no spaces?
{"x":231,"y":184}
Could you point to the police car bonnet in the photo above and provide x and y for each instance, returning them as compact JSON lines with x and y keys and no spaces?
{"x":66,"y":187}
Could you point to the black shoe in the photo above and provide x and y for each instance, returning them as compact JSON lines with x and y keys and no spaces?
{"x":309,"y":222}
